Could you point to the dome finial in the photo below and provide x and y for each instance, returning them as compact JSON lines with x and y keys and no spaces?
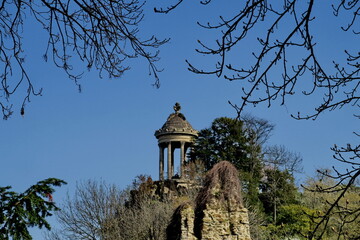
{"x":177,"y":107}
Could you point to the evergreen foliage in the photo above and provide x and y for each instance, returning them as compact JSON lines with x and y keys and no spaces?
{"x":19,"y":211}
{"x":224,"y":140}
{"x":228,"y":139}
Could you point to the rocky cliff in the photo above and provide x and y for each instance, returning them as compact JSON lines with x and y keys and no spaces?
{"x":218,"y":212}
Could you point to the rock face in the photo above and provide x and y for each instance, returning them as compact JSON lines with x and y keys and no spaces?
{"x":221,"y":222}
{"x":182,"y":223}
{"x":218,"y":212}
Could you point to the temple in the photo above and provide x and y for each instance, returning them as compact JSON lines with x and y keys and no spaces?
{"x":175,"y":133}
{"x":217,"y":212}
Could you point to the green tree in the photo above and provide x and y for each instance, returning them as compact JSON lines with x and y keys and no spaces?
{"x":224,"y":140}
{"x":293,"y":223}
{"x":278,"y":184}
{"x":19,"y":211}
{"x":227,"y":139}
{"x":277,"y":189}
{"x":336,"y":210}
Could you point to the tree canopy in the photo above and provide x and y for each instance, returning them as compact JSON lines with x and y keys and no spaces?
{"x":224,"y":140}
{"x":242,"y":143}
{"x":228,"y":139}
{"x":19,"y":211}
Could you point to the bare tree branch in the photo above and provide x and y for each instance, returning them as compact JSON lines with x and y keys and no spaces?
{"x":102,"y":34}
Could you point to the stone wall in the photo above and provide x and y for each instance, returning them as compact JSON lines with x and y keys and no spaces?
{"x":218,"y":212}
{"x":182,"y":223}
{"x":224,"y":220}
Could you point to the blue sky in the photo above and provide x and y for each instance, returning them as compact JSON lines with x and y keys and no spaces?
{"x":107,"y":131}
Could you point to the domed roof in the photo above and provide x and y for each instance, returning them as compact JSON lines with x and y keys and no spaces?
{"x":176,"y":124}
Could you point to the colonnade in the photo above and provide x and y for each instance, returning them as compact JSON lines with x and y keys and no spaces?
{"x":171,"y":146}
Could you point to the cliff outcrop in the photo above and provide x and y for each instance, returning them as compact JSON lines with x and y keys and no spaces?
{"x":218,"y":212}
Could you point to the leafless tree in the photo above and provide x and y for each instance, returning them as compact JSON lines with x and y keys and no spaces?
{"x":83,"y":215}
{"x":146,"y":221}
{"x":280,"y":166}
{"x":284,"y":29}
{"x":102,"y":211}
{"x":103,"y":34}
{"x":259,"y":129}
{"x":278,"y":157}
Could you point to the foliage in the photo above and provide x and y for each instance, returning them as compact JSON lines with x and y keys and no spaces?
{"x":277,"y":189}
{"x":103,"y":34}
{"x":257,"y":222}
{"x":293,"y":222}
{"x":226,"y":139}
{"x":19,"y":211}
{"x":336,"y":211}
{"x":277,"y":185}
{"x":266,"y":172}
{"x":241,"y":143}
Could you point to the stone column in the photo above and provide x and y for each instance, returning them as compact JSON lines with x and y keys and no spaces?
{"x":182,"y":158}
{"x":172,"y":161}
{"x":169,"y":161}
{"x":161,"y":163}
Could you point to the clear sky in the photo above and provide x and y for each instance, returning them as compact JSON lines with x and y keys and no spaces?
{"x":107,"y":131}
